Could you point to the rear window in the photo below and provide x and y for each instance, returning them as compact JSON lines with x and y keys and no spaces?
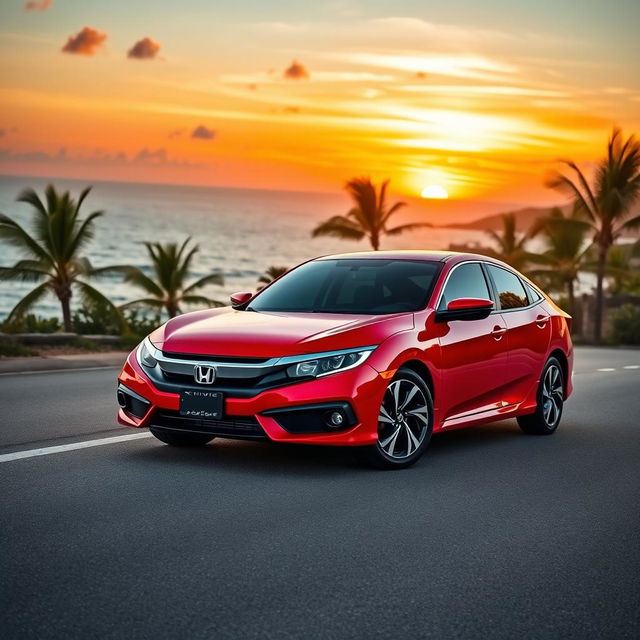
{"x":511,"y":293}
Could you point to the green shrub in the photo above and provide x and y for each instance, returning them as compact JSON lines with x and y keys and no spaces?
{"x":96,"y":318}
{"x":625,"y":324}
{"x":13,"y":349}
{"x":141,"y":324}
{"x":32,"y":324}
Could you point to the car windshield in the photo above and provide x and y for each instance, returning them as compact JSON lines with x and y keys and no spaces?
{"x":357,"y":286}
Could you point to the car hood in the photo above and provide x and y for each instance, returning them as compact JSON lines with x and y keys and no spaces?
{"x":229,"y":332}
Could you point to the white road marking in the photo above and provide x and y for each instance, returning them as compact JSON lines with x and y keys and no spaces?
{"x":86,"y":444}
{"x":632,"y":366}
{"x":607,"y":369}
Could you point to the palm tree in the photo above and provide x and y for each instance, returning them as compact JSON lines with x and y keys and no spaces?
{"x":565,"y":238}
{"x":606,"y":202}
{"x":368,"y":218}
{"x":623,"y":270}
{"x":271,"y":273}
{"x":167,"y":289}
{"x":52,"y":253}
{"x":511,"y":246}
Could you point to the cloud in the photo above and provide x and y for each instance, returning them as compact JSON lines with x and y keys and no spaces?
{"x":37,"y":5}
{"x":145,"y":49}
{"x":176,"y":133}
{"x":296,"y":71}
{"x":203,"y":133}
{"x":144,"y":157}
{"x":86,"y":42}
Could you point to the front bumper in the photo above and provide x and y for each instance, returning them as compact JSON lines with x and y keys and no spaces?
{"x":358,"y":391}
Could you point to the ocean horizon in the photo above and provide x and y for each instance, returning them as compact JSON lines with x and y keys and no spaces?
{"x":240,"y":232}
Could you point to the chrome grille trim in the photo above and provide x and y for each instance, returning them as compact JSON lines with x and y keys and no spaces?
{"x":184,"y":366}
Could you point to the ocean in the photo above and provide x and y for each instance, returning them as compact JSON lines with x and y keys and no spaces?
{"x":240,"y":232}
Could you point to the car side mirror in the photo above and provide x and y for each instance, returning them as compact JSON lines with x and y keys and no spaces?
{"x":465,"y":309}
{"x":238,"y":299}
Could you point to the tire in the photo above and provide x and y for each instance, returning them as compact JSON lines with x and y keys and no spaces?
{"x":176,"y":439}
{"x":550,"y":398}
{"x":405,"y":423}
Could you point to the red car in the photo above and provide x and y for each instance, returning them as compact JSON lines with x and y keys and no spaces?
{"x":369,"y":350}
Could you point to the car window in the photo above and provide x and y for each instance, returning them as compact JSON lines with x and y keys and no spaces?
{"x":359,"y":286}
{"x":465,"y":281}
{"x":534,"y":296}
{"x":511,"y":292}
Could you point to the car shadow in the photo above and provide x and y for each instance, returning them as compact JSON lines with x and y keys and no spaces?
{"x":276,"y":458}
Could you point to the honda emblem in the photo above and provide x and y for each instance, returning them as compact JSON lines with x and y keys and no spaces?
{"x":204,"y":374}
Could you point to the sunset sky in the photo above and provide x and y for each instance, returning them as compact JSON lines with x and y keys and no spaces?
{"x":476,"y":99}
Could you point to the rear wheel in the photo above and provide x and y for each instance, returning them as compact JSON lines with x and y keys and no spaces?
{"x":181,"y":439}
{"x":548,"y":412}
{"x":405,"y":423}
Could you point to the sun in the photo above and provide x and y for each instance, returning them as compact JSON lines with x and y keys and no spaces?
{"x":434,"y":192}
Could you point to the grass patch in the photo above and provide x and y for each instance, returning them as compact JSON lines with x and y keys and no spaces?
{"x":15,"y":350}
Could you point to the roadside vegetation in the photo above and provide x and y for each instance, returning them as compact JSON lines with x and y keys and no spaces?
{"x":585,"y":239}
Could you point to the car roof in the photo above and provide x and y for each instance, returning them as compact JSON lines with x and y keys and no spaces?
{"x":411,"y":254}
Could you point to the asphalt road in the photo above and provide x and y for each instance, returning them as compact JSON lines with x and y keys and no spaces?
{"x":493,"y":534}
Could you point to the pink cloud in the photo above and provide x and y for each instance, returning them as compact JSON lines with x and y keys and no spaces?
{"x":203,"y":133}
{"x":86,"y":42}
{"x":144,"y":49}
{"x":296,"y":71}
{"x":37,"y":5}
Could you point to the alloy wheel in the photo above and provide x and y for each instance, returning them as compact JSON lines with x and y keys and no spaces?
{"x":403,"y":422}
{"x":552,"y":395}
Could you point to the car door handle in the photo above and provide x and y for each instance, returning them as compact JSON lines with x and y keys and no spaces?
{"x":541,"y":321}
{"x":498,"y":332}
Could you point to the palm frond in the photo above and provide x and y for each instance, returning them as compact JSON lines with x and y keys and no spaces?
{"x":201,"y":300}
{"x":136,"y":276}
{"x":339,"y":227}
{"x":91,"y":296}
{"x":403,"y":228}
{"x":28,"y":301}
{"x":213,"y":278}
{"x":16,"y":236}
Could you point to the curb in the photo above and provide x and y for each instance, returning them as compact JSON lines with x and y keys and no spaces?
{"x":39,"y":364}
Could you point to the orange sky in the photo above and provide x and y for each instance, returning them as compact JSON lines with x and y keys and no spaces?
{"x":213,"y":96}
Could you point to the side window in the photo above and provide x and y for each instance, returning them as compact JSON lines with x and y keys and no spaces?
{"x":534,"y":296}
{"x":465,"y":281}
{"x":511,"y":293}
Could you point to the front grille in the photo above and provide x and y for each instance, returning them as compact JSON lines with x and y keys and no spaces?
{"x":240,"y":427}
{"x":208,"y":358}
{"x":187,"y":378}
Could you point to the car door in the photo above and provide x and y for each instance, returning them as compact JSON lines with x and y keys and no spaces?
{"x":473,"y":352}
{"x":528,"y":330}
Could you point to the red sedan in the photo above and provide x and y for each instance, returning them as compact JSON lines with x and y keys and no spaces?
{"x":369,"y":350}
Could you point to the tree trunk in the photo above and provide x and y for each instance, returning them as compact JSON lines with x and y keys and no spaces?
{"x":375,"y":242}
{"x":602,"y":263}
{"x":571,"y":296}
{"x":65,"y":301}
{"x":172,"y":309}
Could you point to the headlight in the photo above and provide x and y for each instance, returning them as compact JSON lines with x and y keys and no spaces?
{"x":322,"y":364}
{"x":145,"y":354}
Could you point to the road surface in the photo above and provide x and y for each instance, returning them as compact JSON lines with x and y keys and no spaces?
{"x":493,"y":534}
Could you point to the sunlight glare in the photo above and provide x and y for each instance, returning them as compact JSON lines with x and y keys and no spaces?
{"x":434,"y":192}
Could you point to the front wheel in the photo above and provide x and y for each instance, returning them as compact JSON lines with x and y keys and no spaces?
{"x":405,"y":423}
{"x":176,"y":439}
{"x":548,"y":412}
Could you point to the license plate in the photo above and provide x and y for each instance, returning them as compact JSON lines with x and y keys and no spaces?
{"x":201,"y":404}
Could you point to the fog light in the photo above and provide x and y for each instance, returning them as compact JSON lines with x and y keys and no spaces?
{"x":336,"y":419}
{"x":122,"y":401}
